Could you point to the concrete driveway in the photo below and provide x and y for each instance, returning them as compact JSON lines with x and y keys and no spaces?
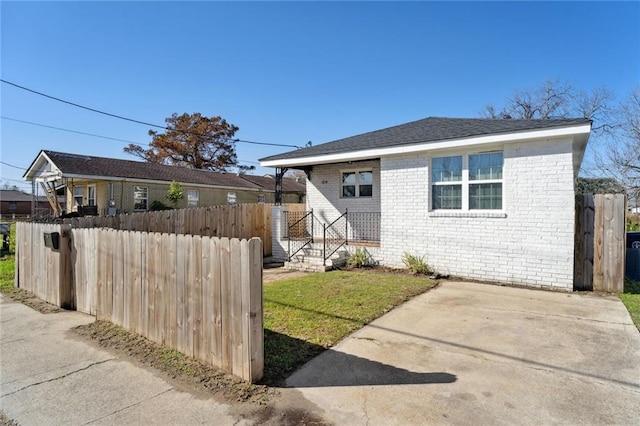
{"x":480,"y":354}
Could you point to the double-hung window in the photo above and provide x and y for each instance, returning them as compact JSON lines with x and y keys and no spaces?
{"x":193,"y":197}
{"x":78,"y":195}
{"x":485,"y":181}
{"x":140,"y":197}
{"x":357,"y":184}
{"x":446,"y":180}
{"x":91,"y":195}
{"x":467,"y":182}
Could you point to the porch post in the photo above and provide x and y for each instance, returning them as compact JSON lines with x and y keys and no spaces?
{"x":279,"y":175}
{"x":279,"y":250}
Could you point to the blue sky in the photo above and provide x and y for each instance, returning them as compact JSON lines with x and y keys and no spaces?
{"x":290,"y":72}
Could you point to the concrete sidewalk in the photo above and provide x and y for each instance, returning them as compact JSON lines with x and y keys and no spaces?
{"x":49,"y":378}
{"x":472,"y":354}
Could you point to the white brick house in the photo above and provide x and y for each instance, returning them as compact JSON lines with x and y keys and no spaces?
{"x":479,"y":198}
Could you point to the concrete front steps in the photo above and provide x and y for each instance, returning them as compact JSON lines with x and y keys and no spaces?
{"x":309,"y":259}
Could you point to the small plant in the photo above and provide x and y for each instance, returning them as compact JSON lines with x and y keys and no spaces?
{"x":159,"y":205}
{"x":358,"y":259}
{"x":415,"y":263}
{"x":175,"y":193}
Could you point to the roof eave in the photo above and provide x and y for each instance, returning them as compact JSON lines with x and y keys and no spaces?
{"x":367,"y":154}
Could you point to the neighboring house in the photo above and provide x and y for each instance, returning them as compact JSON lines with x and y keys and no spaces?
{"x":15,"y":203}
{"x":108,"y":186}
{"x":485,"y":199}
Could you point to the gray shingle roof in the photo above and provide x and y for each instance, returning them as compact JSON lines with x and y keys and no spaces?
{"x":84,"y":165}
{"x":269,"y":182}
{"x":16,"y":196}
{"x":427,"y":130}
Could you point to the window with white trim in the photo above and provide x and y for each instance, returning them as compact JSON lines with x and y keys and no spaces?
{"x":91,"y":195}
{"x":231,"y":198}
{"x":193,"y":197}
{"x":140,"y":197}
{"x":78,"y":195}
{"x":467,"y":182}
{"x":358,"y":183}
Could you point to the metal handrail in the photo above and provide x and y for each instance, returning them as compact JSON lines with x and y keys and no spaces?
{"x":289,"y":227}
{"x":324,"y":235}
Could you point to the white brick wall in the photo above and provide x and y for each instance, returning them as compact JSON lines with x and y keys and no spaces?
{"x":324,"y":190}
{"x":532,"y":245}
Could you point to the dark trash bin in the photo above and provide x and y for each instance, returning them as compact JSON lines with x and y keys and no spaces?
{"x":5,"y":232}
{"x":632,"y":266}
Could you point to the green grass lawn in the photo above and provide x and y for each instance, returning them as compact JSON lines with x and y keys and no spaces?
{"x":7,"y":268}
{"x":304,"y":316}
{"x":631,"y":299}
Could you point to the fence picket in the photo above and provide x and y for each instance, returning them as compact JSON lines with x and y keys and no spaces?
{"x":198,"y":294}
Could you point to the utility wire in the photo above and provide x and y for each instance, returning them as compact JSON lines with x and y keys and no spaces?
{"x":11,"y":165}
{"x":82,"y":133}
{"x":68,"y":130}
{"x":133,"y":120}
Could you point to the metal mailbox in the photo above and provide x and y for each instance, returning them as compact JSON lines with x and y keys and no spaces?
{"x":52,"y":240}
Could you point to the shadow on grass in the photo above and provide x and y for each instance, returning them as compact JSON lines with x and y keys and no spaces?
{"x":285,"y":354}
{"x":631,"y":286}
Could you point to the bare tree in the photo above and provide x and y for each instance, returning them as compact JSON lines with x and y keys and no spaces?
{"x":552,"y":99}
{"x":615,"y":138}
{"x":622,"y":158}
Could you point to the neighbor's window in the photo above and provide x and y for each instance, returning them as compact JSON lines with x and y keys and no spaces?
{"x":467,"y":182}
{"x":13,"y":206}
{"x":357,"y":184}
{"x":193,"y":197}
{"x":78,"y":195}
{"x":231,"y":198}
{"x":91,"y":195}
{"x":261,"y":198}
{"x":140,"y":197}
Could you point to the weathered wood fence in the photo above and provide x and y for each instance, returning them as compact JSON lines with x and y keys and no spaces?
{"x":44,"y":272}
{"x":199,"y":295}
{"x":233,"y":221}
{"x":600,"y":243}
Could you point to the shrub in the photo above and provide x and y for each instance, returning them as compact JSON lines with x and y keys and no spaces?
{"x":158,"y":205}
{"x":175,"y":193}
{"x":415,"y":263}
{"x":358,"y":259}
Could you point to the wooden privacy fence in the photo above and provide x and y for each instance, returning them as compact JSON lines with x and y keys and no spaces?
{"x":600,"y":243}
{"x":232,"y":221}
{"x":44,"y":272}
{"x":199,"y":295}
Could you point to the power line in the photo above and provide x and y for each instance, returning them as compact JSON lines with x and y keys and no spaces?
{"x":11,"y":165}
{"x":68,"y":130}
{"x":82,"y":133}
{"x":134,"y":120}
{"x":14,"y":180}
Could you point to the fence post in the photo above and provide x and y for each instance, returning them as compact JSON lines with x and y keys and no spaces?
{"x":67,"y":288}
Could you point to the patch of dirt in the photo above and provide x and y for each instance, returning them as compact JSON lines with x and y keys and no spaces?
{"x":280,"y":273}
{"x":186,"y":370}
{"x":27,"y":298}
{"x":6,"y":421}
{"x":259,"y":403}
